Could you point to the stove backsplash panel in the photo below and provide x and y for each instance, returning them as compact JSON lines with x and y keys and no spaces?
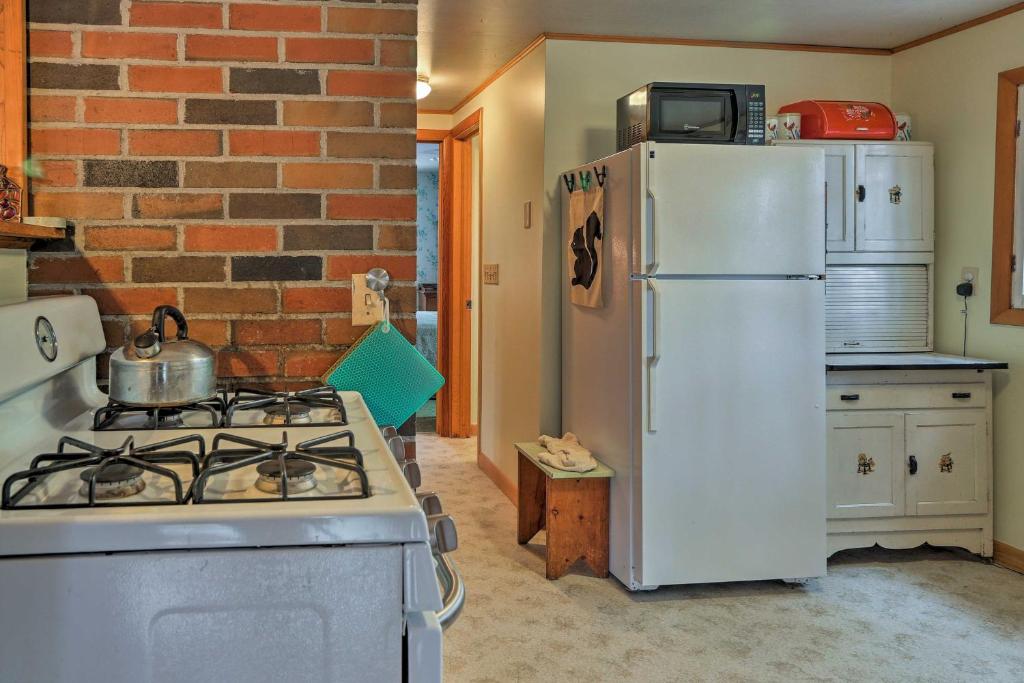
{"x":239,"y":160}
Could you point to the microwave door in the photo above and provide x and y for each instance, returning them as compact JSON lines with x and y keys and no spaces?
{"x":697,"y":115}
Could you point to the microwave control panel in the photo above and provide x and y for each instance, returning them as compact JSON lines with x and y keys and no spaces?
{"x":755,"y":115}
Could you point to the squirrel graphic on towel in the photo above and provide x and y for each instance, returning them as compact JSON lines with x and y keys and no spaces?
{"x":582,"y":245}
{"x":586,"y":235}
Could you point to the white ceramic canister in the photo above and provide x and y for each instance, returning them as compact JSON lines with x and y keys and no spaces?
{"x":903,"y":127}
{"x":789,"y":126}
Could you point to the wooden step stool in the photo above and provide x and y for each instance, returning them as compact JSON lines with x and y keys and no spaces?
{"x":573,"y":506}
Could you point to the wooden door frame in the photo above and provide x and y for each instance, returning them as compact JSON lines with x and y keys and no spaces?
{"x":13,"y":141}
{"x":455,"y":286}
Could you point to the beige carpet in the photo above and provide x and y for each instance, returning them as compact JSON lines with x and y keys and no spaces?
{"x":920,"y":615}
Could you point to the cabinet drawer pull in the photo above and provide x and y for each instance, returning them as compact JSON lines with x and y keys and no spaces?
{"x":961,"y":394}
{"x":849,"y":397}
{"x":913,"y":464}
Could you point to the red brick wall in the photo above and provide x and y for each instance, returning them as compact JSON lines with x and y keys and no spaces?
{"x":237,"y":158}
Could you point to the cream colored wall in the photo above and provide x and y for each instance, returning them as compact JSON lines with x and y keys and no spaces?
{"x":949,"y":88}
{"x":13,"y":276}
{"x":513,"y":158}
{"x":434,"y":121}
{"x":584,"y":80}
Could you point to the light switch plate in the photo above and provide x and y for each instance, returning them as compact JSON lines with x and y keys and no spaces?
{"x":366,"y":304}
{"x":490,"y":273}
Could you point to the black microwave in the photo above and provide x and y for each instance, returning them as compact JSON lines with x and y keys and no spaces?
{"x":709,"y":113}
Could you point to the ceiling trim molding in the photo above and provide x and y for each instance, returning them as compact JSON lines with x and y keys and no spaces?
{"x":984,"y":19}
{"x":518,"y":57}
{"x":749,"y":45}
{"x":736,"y":44}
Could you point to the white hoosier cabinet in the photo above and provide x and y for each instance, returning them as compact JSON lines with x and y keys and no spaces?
{"x":908,"y":431}
{"x":909,"y":451}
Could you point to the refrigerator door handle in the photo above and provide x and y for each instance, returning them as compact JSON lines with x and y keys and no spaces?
{"x":652,"y":233}
{"x":653,"y":354}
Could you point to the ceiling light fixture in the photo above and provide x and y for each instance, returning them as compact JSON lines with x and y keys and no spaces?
{"x":422,"y":87}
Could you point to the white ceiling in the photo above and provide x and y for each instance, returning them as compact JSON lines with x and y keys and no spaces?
{"x":462,"y":42}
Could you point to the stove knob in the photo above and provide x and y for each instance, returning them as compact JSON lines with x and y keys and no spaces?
{"x":443,"y":537}
{"x":430,"y":502}
{"x":397,"y":446}
{"x":411,"y":470}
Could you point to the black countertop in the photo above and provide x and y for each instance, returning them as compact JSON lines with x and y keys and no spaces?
{"x":838,"y":362}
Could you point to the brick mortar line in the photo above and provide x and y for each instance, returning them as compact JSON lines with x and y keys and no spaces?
{"x":198,"y":127}
{"x":219,"y":96}
{"x":221,"y":32}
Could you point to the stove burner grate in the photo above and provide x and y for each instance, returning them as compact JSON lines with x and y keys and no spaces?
{"x":109,"y":417}
{"x":107,"y":473}
{"x":287,"y":409}
{"x":276,"y":464}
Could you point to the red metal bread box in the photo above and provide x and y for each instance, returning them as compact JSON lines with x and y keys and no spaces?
{"x":839,"y":120}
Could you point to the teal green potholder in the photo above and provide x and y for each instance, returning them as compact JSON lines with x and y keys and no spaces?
{"x":393,"y":377}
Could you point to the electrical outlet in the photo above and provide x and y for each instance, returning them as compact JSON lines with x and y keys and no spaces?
{"x":970,"y":274}
{"x":490,"y":273}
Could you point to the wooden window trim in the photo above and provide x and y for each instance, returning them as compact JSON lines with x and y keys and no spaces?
{"x":13,"y":140}
{"x":1002,"y":311}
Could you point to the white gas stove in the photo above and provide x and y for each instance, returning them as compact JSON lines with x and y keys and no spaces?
{"x":254,"y":537}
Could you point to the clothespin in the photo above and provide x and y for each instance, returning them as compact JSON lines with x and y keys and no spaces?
{"x":601,"y":175}
{"x":585,"y":180}
{"x":570,"y":182}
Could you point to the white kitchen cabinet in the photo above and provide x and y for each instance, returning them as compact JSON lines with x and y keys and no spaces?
{"x":839,"y":201}
{"x":909,"y":451}
{"x":894,"y":189}
{"x":879,"y":196}
{"x":865,"y":464}
{"x":949,"y":471}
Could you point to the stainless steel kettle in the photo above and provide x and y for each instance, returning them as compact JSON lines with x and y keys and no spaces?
{"x":152,"y":371}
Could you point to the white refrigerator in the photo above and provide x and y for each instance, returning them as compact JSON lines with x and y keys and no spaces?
{"x":701,"y":378}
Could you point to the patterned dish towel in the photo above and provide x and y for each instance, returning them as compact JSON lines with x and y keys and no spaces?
{"x":566,"y":454}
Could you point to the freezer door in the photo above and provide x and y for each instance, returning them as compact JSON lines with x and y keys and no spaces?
{"x":733,"y":423}
{"x":732,"y":210}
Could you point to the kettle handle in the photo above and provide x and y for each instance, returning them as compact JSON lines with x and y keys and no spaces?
{"x":161,"y":313}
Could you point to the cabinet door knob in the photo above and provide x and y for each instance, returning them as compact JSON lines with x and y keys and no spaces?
{"x":849,"y":397}
{"x":913,"y":464}
{"x":862,"y":193}
{"x":961,"y":394}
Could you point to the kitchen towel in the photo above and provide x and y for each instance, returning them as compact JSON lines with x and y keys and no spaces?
{"x":393,"y":377}
{"x":586,"y":235}
{"x":566,"y":453}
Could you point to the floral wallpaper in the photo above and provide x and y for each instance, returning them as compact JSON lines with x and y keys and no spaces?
{"x":426,"y":226}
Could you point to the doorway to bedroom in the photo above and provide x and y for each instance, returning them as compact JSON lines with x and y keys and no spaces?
{"x":449,"y":175}
{"x":428,"y":157}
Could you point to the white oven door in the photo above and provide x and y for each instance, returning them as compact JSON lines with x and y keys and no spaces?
{"x":289,"y":614}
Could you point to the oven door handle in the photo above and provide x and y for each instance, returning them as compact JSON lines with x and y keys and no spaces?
{"x":453,"y":590}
